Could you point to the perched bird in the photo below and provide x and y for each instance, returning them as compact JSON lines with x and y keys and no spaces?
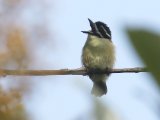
{"x":98,"y":54}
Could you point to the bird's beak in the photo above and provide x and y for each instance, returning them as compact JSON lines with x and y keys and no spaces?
{"x":93,"y":26}
{"x":87,"y":32}
{"x":91,"y":23}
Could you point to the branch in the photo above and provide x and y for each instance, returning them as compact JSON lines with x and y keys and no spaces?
{"x":80,"y":71}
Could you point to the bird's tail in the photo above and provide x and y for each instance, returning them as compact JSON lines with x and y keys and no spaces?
{"x":99,"y":88}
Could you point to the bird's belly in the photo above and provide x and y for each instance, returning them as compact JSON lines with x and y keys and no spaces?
{"x":99,"y":57}
{"x":100,"y":61}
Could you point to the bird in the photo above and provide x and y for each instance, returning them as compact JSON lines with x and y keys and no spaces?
{"x":98,"y":54}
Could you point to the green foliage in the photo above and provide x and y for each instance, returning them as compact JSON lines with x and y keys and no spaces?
{"x":147,"y":45}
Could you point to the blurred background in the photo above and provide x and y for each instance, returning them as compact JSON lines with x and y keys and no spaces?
{"x":45,"y":34}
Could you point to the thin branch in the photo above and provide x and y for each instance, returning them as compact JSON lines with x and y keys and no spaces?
{"x":80,"y":71}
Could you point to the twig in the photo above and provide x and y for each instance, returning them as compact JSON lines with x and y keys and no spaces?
{"x":80,"y":71}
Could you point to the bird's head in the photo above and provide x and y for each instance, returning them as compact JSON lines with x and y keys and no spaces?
{"x":99,"y":29}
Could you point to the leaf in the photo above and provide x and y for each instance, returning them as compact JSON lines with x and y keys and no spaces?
{"x":147,"y":45}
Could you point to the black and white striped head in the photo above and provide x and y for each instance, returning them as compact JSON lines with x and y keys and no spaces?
{"x":99,"y":29}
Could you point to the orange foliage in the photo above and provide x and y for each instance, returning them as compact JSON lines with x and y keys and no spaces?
{"x":11,"y":107}
{"x":13,"y":54}
{"x":16,"y":45}
{"x":16,"y":52}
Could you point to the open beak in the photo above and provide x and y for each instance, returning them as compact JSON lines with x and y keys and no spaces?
{"x":94,"y":30}
{"x":93,"y":27}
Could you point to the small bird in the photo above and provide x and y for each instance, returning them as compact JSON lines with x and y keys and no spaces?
{"x":98,"y":54}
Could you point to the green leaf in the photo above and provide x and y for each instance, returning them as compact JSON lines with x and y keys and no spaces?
{"x":147,"y":45}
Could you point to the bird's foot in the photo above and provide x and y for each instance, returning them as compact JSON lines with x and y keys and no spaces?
{"x":108,"y":71}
